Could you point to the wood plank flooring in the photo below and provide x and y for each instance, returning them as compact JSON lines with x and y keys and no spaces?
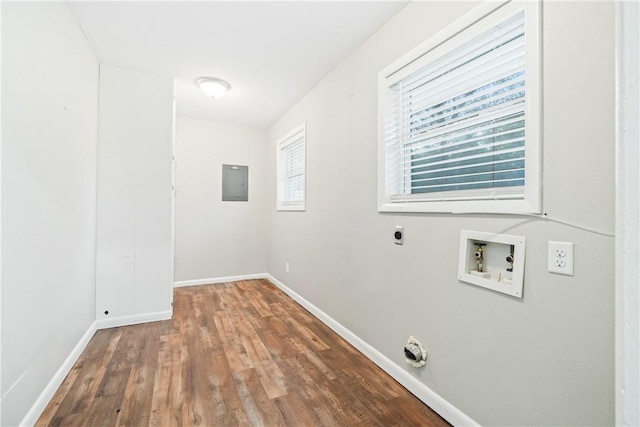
{"x":234,"y":354}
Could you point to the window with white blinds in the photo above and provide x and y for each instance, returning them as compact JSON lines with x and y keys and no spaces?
{"x":291,"y":170}
{"x":460,"y":118}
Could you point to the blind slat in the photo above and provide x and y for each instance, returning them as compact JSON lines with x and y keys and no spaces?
{"x":512,"y":96}
{"x":487,"y":88}
{"x":456,"y":142}
{"x":476,"y":125}
{"x":463,"y":53}
{"x":471,"y":74}
{"x":464,"y":156}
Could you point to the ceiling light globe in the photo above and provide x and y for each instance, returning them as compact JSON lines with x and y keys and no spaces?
{"x":213,"y":87}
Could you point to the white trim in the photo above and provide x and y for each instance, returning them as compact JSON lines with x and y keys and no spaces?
{"x":134,"y":319}
{"x":627,"y":246}
{"x":445,"y":409}
{"x":460,"y":206}
{"x":214,"y":280}
{"x":49,"y":391}
{"x":292,"y":134}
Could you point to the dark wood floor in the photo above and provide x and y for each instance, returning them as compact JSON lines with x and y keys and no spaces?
{"x":234,"y":354}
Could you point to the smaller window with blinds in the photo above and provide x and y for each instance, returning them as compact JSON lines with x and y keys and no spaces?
{"x":291,"y":170}
{"x":459,"y":117}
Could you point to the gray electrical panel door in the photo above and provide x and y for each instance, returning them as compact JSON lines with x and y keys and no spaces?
{"x":235,"y":183}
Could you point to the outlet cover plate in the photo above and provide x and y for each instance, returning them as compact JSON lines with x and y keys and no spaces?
{"x":560,"y":258}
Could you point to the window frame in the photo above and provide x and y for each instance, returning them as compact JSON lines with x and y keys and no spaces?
{"x":457,"y":33}
{"x":299,"y":132}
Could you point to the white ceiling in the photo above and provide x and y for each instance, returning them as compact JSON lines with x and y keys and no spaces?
{"x":271,"y":52}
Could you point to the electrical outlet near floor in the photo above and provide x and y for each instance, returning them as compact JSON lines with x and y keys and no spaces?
{"x":286,"y":267}
{"x":560,"y":258}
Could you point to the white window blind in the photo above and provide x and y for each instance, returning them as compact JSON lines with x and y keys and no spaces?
{"x":457,"y":119}
{"x":291,"y":170}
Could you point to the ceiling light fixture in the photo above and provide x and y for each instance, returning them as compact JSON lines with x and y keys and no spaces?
{"x":213,"y":87}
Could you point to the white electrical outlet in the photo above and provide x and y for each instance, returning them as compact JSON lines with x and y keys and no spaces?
{"x":560,"y":258}
{"x":286,"y":267}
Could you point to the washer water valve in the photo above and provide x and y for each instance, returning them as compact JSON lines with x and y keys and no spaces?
{"x":414,"y":353}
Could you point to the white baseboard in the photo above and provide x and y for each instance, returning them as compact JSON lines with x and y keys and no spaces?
{"x":47,"y":394}
{"x":213,"y":280}
{"x":134,"y":319}
{"x":445,"y":409}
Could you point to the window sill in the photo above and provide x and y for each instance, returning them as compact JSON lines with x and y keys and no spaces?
{"x":301,"y":208}
{"x":462,"y":207}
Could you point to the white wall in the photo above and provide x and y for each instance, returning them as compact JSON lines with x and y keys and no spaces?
{"x":546,"y":359}
{"x":217,"y":239}
{"x":49,"y":126}
{"x":134,"y":267}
